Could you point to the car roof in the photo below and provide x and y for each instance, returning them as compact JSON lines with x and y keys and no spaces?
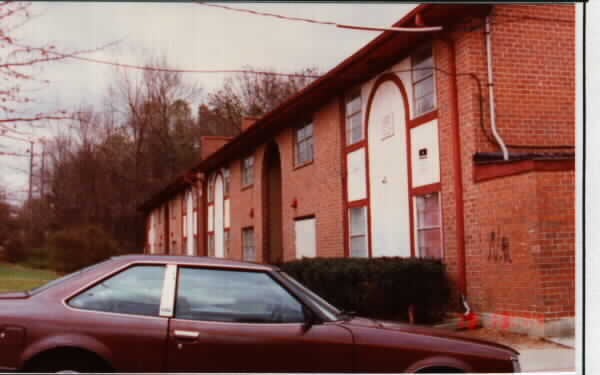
{"x":194,"y":260}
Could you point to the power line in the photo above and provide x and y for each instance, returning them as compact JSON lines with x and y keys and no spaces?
{"x":170,"y":70}
{"x":418,"y":29}
{"x":15,"y":138}
{"x":13,"y":154}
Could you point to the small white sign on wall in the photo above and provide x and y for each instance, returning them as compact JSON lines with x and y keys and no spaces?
{"x":387,"y":127}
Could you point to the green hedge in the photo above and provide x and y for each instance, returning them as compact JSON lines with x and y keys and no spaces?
{"x":382,"y":288}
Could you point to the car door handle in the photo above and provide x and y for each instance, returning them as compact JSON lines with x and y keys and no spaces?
{"x":187,"y":335}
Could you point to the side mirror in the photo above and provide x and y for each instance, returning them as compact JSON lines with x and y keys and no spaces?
{"x":310,"y":318}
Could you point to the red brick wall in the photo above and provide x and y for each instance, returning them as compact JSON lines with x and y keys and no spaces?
{"x":519,"y":230}
{"x":316,"y":187}
{"x":554,"y":242}
{"x":534,"y":73}
{"x":534,"y":89}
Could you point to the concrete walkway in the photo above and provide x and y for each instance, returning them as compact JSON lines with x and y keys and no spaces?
{"x":556,"y":354}
{"x":547,"y":359}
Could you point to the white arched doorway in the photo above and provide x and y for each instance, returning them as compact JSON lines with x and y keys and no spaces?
{"x":219,"y":218}
{"x":388,"y":171}
{"x":189,"y":224}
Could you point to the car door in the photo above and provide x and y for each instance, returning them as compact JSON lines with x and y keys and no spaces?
{"x":122,"y":312}
{"x":229,"y":320}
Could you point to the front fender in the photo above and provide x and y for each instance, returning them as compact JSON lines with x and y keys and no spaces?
{"x":65,"y":340}
{"x":439,"y":361}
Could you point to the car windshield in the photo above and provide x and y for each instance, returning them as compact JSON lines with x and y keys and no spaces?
{"x":64,"y":278}
{"x":326,"y":308}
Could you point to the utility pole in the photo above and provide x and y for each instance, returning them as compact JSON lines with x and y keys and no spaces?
{"x":30,"y":169}
{"x":42,"y":171}
{"x":30,"y":192}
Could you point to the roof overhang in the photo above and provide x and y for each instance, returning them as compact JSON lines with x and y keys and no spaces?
{"x":178,"y":185}
{"x":375,"y":57}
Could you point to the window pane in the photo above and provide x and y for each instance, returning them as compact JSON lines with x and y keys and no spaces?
{"x":304,"y":143}
{"x":357,"y":128}
{"x":353,"y":105}
{"x":248,"y":250}
{"x":424,"y":87}
{"x":211,"y":244}
{"x":309,"y":130}
{"x":430,"y":243}
{"x":299,"y":135}
{"x":420,"y":68}
{"x":234,"y":296}
{"x":358,"y":221}
{"x":358,"y":246}
{"x":226,"y":243}
{"x":137,"y":290}
{"x":424,"y":104}
{"x":300,"y":152}
{"x":428,"y":210}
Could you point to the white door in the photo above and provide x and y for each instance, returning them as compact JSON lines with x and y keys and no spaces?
{"x":390,"y":225}
{"x":190,"y":223}
{"x":219,"y":250}
{"x":306,"y":238}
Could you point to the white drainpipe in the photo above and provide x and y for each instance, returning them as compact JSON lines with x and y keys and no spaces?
{"x":488,"y":44}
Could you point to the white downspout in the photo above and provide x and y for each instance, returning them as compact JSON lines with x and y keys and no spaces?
{"x":488,"y":45}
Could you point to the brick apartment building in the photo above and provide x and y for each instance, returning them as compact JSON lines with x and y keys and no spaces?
{"x":409,"y":148}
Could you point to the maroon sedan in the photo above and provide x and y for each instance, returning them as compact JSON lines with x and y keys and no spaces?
{"x":191,"y":314}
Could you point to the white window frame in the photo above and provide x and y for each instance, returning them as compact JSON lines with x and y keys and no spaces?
{"x":351,"y":115}
{"x":416,"y":79}
{"x":248,"y":171}
{"x":247,"y":245}
{"x":364,"y":234}
{"x":419,"y":228}
{"x":307,"y":140}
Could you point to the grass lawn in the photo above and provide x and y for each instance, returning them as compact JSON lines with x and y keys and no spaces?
{"x":15,"y":277}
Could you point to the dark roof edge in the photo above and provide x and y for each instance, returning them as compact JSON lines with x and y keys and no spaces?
{"x":177,"y":185}
{"x":267,"y":118}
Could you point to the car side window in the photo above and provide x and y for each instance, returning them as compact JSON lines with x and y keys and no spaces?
{"x":234,"y":296}
{"x":136,"y":290}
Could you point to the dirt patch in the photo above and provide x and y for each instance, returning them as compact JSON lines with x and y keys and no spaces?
{"x":511,"y":339}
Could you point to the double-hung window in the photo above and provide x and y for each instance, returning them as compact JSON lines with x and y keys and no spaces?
{"x":248,"y":249}
{"x":429,"y":231}
{"x":248,"y":171}
{"x":210,"y":194}
{"x":354,"y":125}
{"x":210,"y":244}
{"x":423,"y":82}
{"x":226,"y":243}
{"x":358,"y":231}
{"x":226,"y":181}
{"x":304,"y":144}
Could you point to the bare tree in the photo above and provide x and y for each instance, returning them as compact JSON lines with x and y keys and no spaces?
{"x":252,"y":94}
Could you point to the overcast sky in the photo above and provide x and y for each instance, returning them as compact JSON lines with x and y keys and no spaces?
{"x":194,"y":36}
{"x":191,"y":36}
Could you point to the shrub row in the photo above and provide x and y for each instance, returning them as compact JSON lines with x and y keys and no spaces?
{"x":381,"y":288}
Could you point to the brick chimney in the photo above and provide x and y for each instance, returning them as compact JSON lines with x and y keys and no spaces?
{"x":248,"y":122}
{"x":211,"y":143}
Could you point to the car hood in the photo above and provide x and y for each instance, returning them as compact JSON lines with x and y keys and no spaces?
{"x":424,"y":330}
{"x":14,"y":295}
